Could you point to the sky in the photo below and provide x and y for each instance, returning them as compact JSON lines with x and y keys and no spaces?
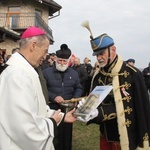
{"x":126,"y":21}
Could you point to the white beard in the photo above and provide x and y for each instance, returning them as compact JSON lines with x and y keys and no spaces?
{"x":60,"y":67}
{"x":102,"y":64}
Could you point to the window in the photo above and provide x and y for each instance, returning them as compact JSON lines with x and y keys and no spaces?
{"x":39,"y":12}
{"x":13,"y":17}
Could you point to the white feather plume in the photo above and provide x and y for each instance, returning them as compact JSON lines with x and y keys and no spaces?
{"x":86,"y":25}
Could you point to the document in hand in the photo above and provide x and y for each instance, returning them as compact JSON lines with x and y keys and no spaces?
{"x":92,"y":101}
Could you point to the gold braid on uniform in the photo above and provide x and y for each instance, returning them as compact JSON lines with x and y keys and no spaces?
{"x":108,"y":117}
{"x":125,"y":73}
{"x":109,"y":74}
{"x":126,"y":85}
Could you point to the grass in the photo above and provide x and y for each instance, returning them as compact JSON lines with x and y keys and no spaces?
{"x":85,"y":137}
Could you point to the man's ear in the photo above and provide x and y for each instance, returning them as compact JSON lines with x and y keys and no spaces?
{"x":114,"y":49}
{"x":33,"y":46}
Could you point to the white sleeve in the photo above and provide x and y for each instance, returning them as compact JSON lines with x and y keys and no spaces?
{"x":51,"y":112}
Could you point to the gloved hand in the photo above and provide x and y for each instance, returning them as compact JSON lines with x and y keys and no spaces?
{"x":81,"y":103}
{"x":90,"y":117}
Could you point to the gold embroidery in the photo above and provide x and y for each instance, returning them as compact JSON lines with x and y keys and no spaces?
{"x":131,"y":67}
{"x":94,"y":46}
{"x":109,"y":117}
{"x":128,"y":110}
{"x":125,"y":74}
{"x":127,"y":98}
{"x":127,"y":123}
{"x":126,"y":85}
{"x":100,"y":81}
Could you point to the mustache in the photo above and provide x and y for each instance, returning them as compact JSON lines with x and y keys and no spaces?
{"x":101,"y":60}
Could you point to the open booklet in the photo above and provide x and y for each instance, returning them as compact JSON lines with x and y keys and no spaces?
{"x":92,"y":101}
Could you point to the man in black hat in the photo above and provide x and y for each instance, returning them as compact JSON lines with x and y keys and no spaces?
{"x":131,"y":61}
{"x":124,"y":115}
{"x":63,"y":84}
{"x":146,"y":74}
{"x":2,"y":63}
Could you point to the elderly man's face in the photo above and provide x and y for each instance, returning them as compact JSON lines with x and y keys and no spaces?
{"x":62,"y":61}
{"x":40,"y":52}
{"x":103,"y":57}
{"x":61,"y":64}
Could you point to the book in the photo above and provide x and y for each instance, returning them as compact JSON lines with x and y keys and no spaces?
{"x":93,"y":100}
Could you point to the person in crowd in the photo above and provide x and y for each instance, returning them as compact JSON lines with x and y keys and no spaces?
{"x":45,"y":64}
{"x":25,"y":120}
{"x":43,"y":82}
{"x":71,"y":60}
{"x":131,"y":61}
{"x":124,"y":115}
{"x":2,"y":62}
{"x":5,"y":56}
{"x":88,"y":68}
{"x":146,"y":74}
{"x":94,"y":69}
{"x":15,"y":50}
{"x":49,"y":61}
{"x":53,"y":57}
{"x":63,"y":84}
{"x":12,"y":52}
{"x":81,"y":70}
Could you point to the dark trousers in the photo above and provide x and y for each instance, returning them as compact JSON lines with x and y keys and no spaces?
{"x":64,"y":137}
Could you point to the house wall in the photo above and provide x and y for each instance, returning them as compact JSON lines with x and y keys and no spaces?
{"x":8,"y":44}
{"x":27,"y":6}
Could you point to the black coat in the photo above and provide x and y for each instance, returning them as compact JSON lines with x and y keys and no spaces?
{"x":83,"y":75}
{"x":124,"y":114}
{"x":146,"y":77}
{"x":2,"y":67}
{"x":43,"y":84}
{"x":67,"y":85}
